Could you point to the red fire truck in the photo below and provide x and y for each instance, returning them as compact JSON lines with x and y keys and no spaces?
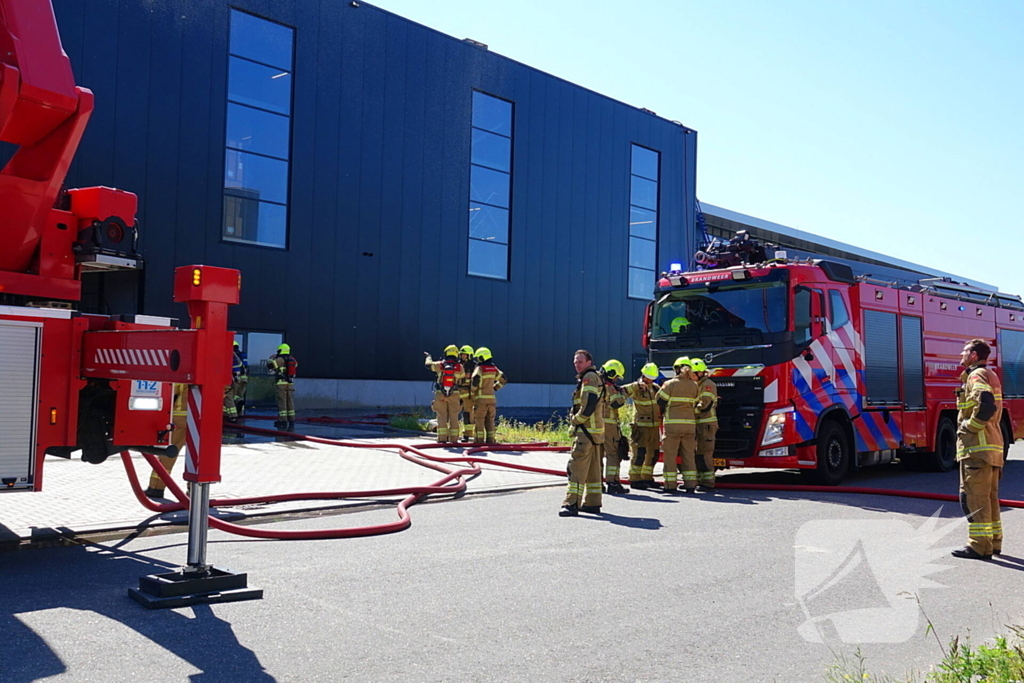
{"x":72,"y":382}
{"x":826,"y":372}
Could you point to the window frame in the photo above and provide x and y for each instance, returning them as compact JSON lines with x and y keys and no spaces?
{"x":656,"y":211}
{"x":228,"y":101}
{"x":507,"y":245}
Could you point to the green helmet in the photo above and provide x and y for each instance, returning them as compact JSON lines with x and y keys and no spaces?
{"x":679,"y":323}
{"x":613,"y":369}
{"x":284,"y":348}
{"x":483,"y":353}
{"x":467,"y":349}
{"x":698,"y":365}
{"x":451,"y":350}
{"x":682,"y":362}
{"x":650,"y":371}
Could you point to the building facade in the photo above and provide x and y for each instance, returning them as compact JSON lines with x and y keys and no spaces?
{"x":384,"y":189}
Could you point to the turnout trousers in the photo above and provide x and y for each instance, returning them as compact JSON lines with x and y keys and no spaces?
{"x":484,"y":410}
{"x":645,"y":442}
{"x":447,"y":409}
{"x":285,"y":401}
{"x":706,"y":453}
{"x":680,"y":455}
{"x":979,"y":498}
{"x":584,"y":472}
{"x":610,"y":451}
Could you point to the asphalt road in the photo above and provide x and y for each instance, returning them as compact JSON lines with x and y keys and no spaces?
{"x":734,"y":587}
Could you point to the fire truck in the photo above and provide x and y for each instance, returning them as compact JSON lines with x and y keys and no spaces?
{"x":824,"y":371}
{"x":75,"y":383}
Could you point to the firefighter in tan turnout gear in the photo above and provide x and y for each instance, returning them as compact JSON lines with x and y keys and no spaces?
{"x":446,"y":392}
{"x":466,"y":354}
{"x":979,"y":450}
{"x":644,"y":437}
{"x":615,"y":448}
{"x":179,"y":416}
{"x":707,"y":424}
{"x":284,"y":367}
{"x":487,"y":379}
{"x":677,"y":400}
{"x":587,"y":418}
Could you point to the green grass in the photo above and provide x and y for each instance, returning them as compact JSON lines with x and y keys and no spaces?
{"x":554,"y":431}
{"x":413,"y":422}
{"x":1001,"y":661}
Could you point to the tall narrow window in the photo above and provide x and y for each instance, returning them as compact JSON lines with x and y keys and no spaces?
{"x":490,"y":187}
{"x":256,"y":160}
{"x":643,"y":221}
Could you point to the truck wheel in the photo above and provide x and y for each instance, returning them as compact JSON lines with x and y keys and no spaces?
{"x":833,"y":455}
{"x":943,"y":459}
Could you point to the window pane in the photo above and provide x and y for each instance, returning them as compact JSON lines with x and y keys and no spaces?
{"x":643,"y":193}
{"x":487,"y":259}
{"x":839,"y":315}
{"x":492,"y":150}
{"x":645,"y":163}
{"x":261,"y":346}
{"x":256,"y":177}
{"x":488,"y":223}
{"x":259,"y":86}
{"x":261,"y":40}
{"x":257,"y":131}
{"x":643,"y":223}
{"x":492,"y":114}
{"x":248,"y":220}
{"x":641,"y":283}
{"x":642,"y":253}
{"x":490,"y":187}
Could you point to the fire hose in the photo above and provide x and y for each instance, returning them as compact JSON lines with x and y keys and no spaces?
{"x":454,"y":481}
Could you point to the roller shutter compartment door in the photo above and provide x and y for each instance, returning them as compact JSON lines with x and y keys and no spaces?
{"x":19,"y":386}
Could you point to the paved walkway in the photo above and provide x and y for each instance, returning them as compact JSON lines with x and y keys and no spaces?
{"x":79,"y":498}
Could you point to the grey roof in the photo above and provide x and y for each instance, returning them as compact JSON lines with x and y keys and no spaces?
{"x":852,"y":252}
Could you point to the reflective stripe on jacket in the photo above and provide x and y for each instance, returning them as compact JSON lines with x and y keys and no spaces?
{"x":980,"y":402}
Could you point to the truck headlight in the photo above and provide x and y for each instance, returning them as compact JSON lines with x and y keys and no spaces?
{"x":776,"y":428}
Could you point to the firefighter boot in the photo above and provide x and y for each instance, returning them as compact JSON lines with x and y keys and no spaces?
{"x":616,"y":487}
{"x":152,"y":492}
{"x":569,"y":511}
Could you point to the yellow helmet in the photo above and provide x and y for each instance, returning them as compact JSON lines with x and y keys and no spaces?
{"x":679,"y":323}
{"x":284,"y":348}
{"x":698,"y":365}
{"x":451,"y":350}
{"x":613,"y":369}
{"x":467,"y":349}
{"x":650,"y":371}
{"x":483,"y":353}
{"x":682,"y":362}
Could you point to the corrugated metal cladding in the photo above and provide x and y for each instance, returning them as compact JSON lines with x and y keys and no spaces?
{"x":375,"y":269}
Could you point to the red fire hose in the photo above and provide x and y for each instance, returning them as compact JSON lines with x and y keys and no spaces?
{"x":452,"y":482}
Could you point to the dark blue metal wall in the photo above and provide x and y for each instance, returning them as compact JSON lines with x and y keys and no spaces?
{"x":375,"y":272}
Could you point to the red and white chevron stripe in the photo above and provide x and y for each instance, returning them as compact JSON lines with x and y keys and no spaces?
{"x":194,"y":411}
{"x":142,"y":357}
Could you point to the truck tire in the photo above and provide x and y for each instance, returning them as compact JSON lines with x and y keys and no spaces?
{"x":833,"y":455}
{"x":943,"y":459}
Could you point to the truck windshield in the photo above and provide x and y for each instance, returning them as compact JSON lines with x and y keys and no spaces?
{"x":721,"y":310}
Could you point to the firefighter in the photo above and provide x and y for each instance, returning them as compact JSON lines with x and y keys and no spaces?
{"x":677,"y":400}
{"x":240,"y":373}
{"x":616,"y":448}
{"x":466,"y":354}
{"x":178,"y":419}
{"x":707,"y":424}
{"x":644,"y":437}
{"x":284,"y":366}
{"x":979,"y":450}
{"x":587,"y":418}
{"x":446,"y":392}
{"x":231,"y":390}
{"x":486,"y":380}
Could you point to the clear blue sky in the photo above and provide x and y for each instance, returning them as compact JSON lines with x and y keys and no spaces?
{"x":896,"y":126}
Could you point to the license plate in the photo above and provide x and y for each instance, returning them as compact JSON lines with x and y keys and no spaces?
{"x":719,"y":462}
